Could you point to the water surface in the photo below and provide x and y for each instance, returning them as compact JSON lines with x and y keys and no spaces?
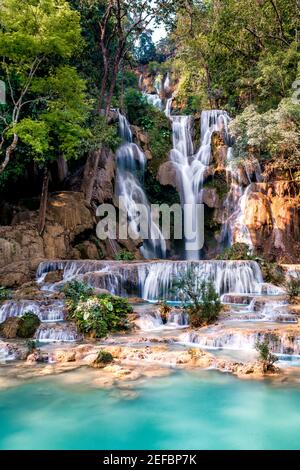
{"x":203,"y":410}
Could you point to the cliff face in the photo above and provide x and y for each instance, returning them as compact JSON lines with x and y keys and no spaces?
{"x":270,"y":212}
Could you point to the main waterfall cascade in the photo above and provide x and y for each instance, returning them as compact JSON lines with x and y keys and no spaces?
{"x":131,"y":164}
{"x":153,"y":281}
{"x":192,"y":169}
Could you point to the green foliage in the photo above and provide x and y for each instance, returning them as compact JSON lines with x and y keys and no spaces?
{"x":273,"y":135}
{"x":154,"y":122}
{"x":293,"y":288}
{"x":46,"y":105}
{"x":31,"y":346}
{"x":238,"y":251}
{"x":101,"y":133}
{"x":272,"y":272}
{"x":219,"y":184}
{"x":265,"y":356}
{"x":28,"y":325}
{"x":75,"y":291}
{"x":202,"y":301}
{"x":157,"y":193}
{"x":237,"y":53}
{"x":103,"y":358}
{"x":5,"y":294}
{"x":124,"y":255}
{"x":98,"y":315}
{"x":146,"y":51}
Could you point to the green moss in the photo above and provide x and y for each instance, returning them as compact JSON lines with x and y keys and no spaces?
{"x":219,"y":183}
{"x":238,"y":251}
{"x":124,"y":255}
{"x":28,"y":325}
{"x":103,"y":358}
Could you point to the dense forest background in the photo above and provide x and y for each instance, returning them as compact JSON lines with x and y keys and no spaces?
{"x":67,"y":64}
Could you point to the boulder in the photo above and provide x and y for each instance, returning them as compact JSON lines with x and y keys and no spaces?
{"x":9,"y":328}
{"x":167,"y":175}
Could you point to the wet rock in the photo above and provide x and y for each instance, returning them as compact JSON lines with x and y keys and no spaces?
{"x":65,"y":356}
{"x":9,"y":328}
{"x":53,"y":276}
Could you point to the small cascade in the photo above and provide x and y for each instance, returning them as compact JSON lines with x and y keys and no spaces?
{"x":178,"y":319}
{"x":129,"y":186}
{"x":156,"y":280}
{"x":8,"y":352}
{"x":48,"y":310}
{"x":150,"y":321}
{"x":56,"y":334}
{"x":154,"y":99}
{"x":153,"y":321}
{"x":12,"y":308}
{"x":243,"y":340}
{"x":234,"y":229}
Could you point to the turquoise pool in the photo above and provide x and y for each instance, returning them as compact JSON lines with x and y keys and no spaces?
{"x":205,"y":410}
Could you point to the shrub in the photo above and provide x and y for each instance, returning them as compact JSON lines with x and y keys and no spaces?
{"x":97,"y":315}
{"x":271,"y":272}
{"x":164,"y":309}
{"x":28,"y":325}
{"x":103,"y":358}
{"x":4,"y":294}
{"x":154,"y":122}
{"x":202,"y":301}
{"x":293,"y":288}
{"x":238,"y":251}
{"x":124,"y":255}
{"x":74,"y":292}
{"x":31,"y":346}
{"x":264,"y":355}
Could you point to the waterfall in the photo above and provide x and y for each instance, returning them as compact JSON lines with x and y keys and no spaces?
{"x":131,"y":163}
{"x":154,"y":99}
{"x":154,"y":280}
{"x":191,"y":167}
{"x":153,"y":321}
{"x":8,"y":352}
{"x":234,"y":228}
{"x":47,"y":311}
{"x":53,"y":333}
{"x":243,"y":340}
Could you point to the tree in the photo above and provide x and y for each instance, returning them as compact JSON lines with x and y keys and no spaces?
{"x":146,"y":51}
{"x":46,"y":104}
{"x":201,"y":299}
{"x":265,"y":356}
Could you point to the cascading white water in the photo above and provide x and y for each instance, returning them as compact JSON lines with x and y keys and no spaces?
{"x":190,"y":167}
{"x":234,"y":228}
{"x":129,"y":186}
{"x":47,"y":311}
{"x":154,"y":280}
{"x":153,"y":321}
{"x":154,"y":99}
{"x":52,"y":334}
{"x":243,"y":340}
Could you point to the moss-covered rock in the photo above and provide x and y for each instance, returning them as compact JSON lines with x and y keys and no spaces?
{"x":28,"y":325}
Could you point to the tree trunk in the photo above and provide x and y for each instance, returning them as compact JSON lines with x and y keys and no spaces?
{"x":112,"y":85}
{"x":103,"y":86}
{"x":90,"y":171}
{"x":43,"y":202}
